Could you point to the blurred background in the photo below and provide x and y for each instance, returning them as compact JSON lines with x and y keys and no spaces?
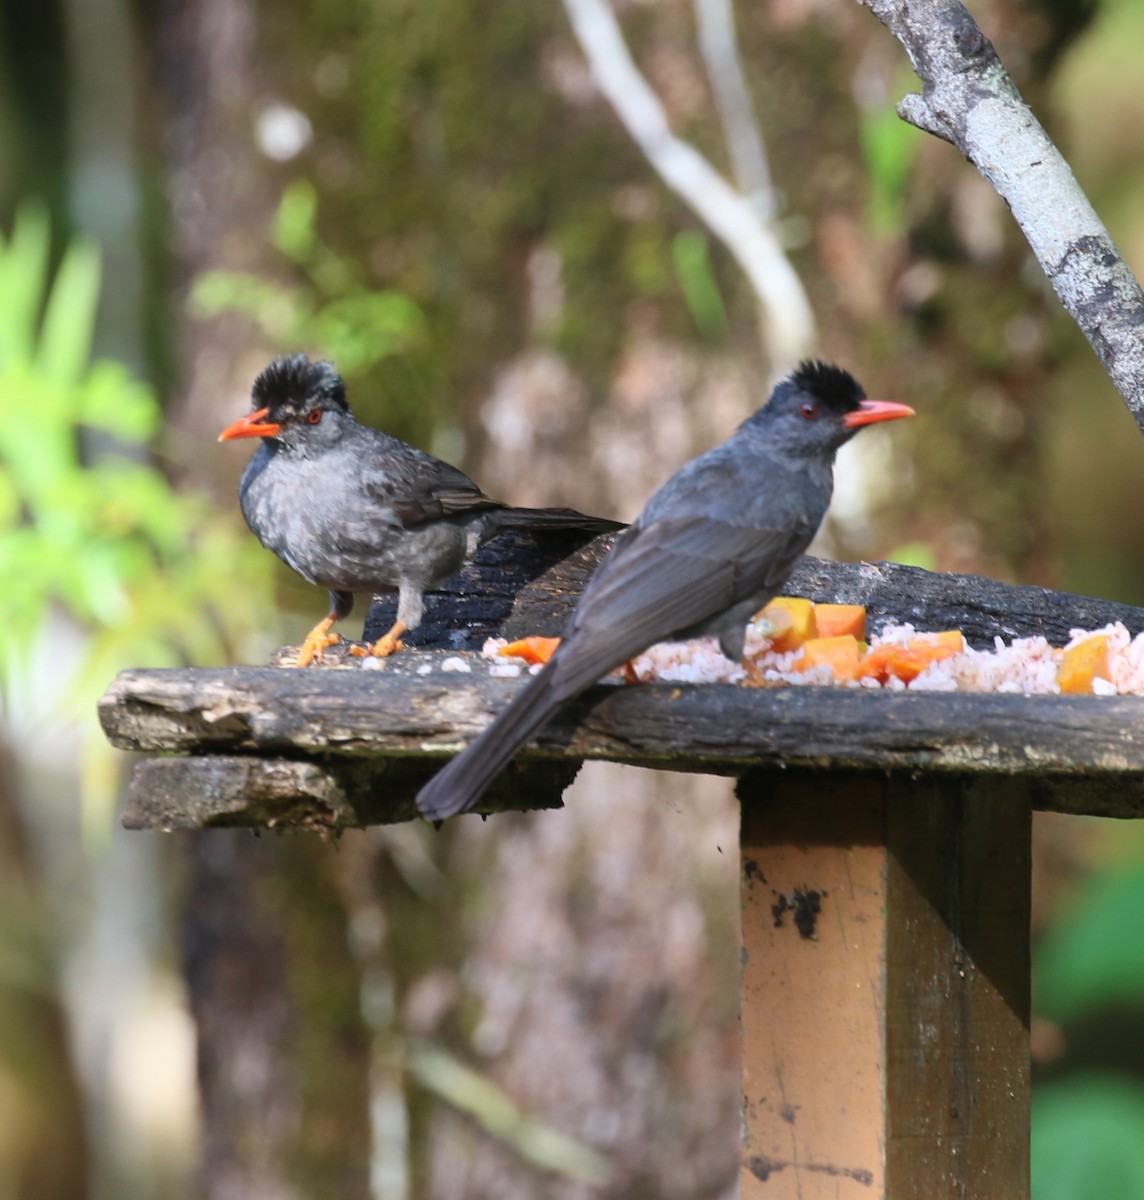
{"x":440,"y":197}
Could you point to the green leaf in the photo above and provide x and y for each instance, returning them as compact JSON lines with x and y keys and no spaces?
{"x":696,"y":277}
{"x":1088,"y":1140}
{"x":23,"y":281}
{"x":117,"y":404}
{"x":216,"y":292}
{"x":293,"y":229}
{"x":278,"y":311}
{"x":889,"y":147}
{"x":69,"y":316}
{"x":361,"y":329}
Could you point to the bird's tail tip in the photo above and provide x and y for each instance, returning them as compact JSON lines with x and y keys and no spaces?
{"x":439,"y":799}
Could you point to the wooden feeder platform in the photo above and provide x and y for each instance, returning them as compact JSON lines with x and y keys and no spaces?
{"x":885,"y":839}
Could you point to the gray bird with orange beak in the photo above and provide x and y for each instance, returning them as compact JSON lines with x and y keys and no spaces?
{"x":354,"y":510}
{"x":712,"y":546}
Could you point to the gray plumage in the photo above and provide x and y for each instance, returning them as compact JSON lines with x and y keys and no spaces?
{"x":712,"y":546}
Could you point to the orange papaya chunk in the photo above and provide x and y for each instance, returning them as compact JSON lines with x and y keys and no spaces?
{"x":907,"y":660}
{"x":788,"y":622}
{"x":531,"y":649}
{"x":1082,"y":663}
{"x":840,"y":654}
{"x":837,"y":620}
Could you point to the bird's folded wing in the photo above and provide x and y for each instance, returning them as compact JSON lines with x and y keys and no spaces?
{"x":425,"y":489}
{"x":665,"y":578}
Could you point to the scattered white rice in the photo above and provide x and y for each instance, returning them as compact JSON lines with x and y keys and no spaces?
{"x":1026,"y":666}
{"x":455,"y":663}
{"x":697,"y":661}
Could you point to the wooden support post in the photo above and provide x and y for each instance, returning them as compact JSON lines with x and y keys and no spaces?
{"x":885,"y":987}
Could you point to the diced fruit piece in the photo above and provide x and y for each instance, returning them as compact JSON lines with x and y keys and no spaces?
{"x":836,"y":620}
{"x":531,"y":649}
{"x":907,"y":660}
{"x":1082,"y":663}
{"x":840,"y":654}
{"x":788,"y":622}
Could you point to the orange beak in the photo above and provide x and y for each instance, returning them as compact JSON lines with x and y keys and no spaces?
{"x":870,"y":411}
{"x":252,"y":425}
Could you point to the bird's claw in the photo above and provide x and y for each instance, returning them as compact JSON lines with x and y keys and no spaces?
{"x":315,"y":645}
{"x":382,"y":648}
{"x":313,"y":649}
{"x":385,"y":645}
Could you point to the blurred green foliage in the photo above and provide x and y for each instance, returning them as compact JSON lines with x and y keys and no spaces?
{"x":1088,"y":1139}
{"x":532,"y":1140}
{"x":692,"y":258}
{"x":889,"y":147}
{"x":88,"y":527}
{"x":1094,"y":959}
{"x":914,"y":554}
{"x":1088,"y":1125}
{"x":333,"y":310}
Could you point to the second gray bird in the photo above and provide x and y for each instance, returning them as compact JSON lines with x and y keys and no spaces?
{"x":354,"y":510}
{"x":712,"y":546}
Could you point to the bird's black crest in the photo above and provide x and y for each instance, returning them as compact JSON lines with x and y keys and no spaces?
{"x":296,"y":381}
{"x":837,"y":389}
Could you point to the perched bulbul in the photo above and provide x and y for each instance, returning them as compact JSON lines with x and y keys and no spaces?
{"x":352,"y":509}
{"x":713,"y":545}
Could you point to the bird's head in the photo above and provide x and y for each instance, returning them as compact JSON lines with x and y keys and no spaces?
{"x":297,"y":403}
{"x":818,"y":407}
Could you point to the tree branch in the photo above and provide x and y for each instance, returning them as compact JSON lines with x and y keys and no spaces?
{"x":720,"y":47}
{"x":969,"y":99}
{"x":788,"y":320}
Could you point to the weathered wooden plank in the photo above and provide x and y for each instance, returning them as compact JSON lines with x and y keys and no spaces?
{"x":957,"y":989}
{"x":885,"y":987}
{"x":1083,"y":754}
{"x":219,"y":790}
{"x":813,"y":988}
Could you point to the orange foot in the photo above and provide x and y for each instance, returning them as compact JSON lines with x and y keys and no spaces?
{"x":316,"y":642}
{"x":386,"y":645}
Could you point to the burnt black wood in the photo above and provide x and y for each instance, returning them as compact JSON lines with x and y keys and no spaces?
{"x":539,"y":573}
{"x":981,"y":608}
{"x":518,"y":586}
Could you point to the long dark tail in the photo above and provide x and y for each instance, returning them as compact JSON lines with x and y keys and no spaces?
{"x":550,"y":518}
{"x":458,"y":786}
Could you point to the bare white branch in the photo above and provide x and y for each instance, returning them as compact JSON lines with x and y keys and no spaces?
{"x":788,"y":322}
{"x":720,"y":47}
{"x":969,"y":99}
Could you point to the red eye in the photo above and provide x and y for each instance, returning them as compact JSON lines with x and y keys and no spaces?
{"x":808,"y":409}
{"x":314,"y":416}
